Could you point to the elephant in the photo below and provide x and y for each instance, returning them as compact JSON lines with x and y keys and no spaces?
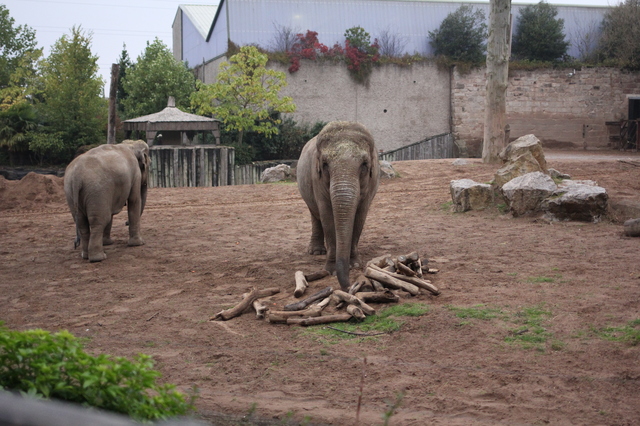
{"x":98,"y":184}
{"x":338,"y":173}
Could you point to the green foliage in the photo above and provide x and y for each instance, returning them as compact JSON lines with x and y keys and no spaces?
{"x":539,"y":35}
{"x":461,"y":36}
{"x":620,"y":37}
{"x":46,"y":145}
{"x":629,"y":333}
{"x":475,"y":312}
{"x":18,"y":58}
{"x":41,"y":364}
{"x":244,"y":95}
{"x":15,"y":123}
{"x":71,"y":103}
{"x":360,"y":54}
{"x":155,"y":76}
{"x":125,"y":65}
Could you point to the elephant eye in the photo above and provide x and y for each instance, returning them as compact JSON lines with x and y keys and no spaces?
{"x":364,"y":168}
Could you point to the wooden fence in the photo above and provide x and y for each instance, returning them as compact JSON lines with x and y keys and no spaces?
{"x":213,"y":165}
{"x":440,"y":146}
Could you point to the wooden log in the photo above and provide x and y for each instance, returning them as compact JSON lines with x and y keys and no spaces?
{"x":377,"y":286}
{"x":386,"y":296}
{"x":415,"y":281}
{"x":352,"y":300}
{"x":312,"y":311}
{"x":356,"y":312}
{"x":412,"y":257}
{"x":380,"y":261}
{"x":404,"y":269}
{"x":309,"y":300}
{"x":301,"y":284}
{"x":418,"y":268}
{"x":325,"y":319}
{"x":361,"y":281}
{"x":314,"y":276}
{"x":378,"y":274}
{"x":260,"y":308}
{"x":244,"y":304}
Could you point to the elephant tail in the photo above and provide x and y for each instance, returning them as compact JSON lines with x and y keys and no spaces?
{"x":76,"y":242}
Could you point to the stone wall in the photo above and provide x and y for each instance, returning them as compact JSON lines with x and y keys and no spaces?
{"x":564,"y":108}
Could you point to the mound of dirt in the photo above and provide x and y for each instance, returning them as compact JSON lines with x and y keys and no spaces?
{"x":31,"y":192}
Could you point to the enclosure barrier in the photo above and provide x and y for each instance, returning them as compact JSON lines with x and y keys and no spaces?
{"x":213,"y":165}
{"x":440,"y":146}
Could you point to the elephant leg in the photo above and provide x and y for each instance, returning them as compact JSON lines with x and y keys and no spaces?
{"x":82,"y":223}
{"x":133,"y":210}
{"x":330,"y":238}
{"x":316,"y":246}
{"x":358,"y":225}
{"x":106,"y":236}
{"x":97,"y":222}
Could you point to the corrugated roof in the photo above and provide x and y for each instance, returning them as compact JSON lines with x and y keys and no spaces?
{"x":201,"y":16}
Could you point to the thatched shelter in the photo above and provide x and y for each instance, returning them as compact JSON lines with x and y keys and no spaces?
{"x":172,"y":126}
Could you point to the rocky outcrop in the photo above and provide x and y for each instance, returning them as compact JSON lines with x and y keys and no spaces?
{"x":470,"y":195}
{"x":522,"y":156}
{"x":576,"y":201}
{"x":276,"y":174}
{"x":386,"y":170}
{"x":524,"y":194}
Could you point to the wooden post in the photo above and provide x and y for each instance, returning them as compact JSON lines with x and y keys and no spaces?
{"x":113,"y":90}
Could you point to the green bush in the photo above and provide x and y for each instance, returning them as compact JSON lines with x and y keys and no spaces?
{"x":41,"y":364}
{"x":461,"y":36}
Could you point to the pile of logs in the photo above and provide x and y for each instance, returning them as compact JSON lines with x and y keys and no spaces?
{"x":381,"y":277}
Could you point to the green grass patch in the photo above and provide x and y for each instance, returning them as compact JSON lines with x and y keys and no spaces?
{"x":475,"y":312}
{"x":386,"y":321}
{"x":531,"y":332}
{"x":446,"y":206}
{"x":543,"y":279}
{"x":629,"y":333}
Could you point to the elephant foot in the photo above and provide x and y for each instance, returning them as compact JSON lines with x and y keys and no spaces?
{"x":330,"y":267}
{"x":107,"y":241}
{"x":98,"y":257}
{"x":84,"y":255}
{"x":135,"y":241}
{"x":317,"y":250}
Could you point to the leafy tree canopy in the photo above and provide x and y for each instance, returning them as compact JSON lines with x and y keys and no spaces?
{"x":18,"y":59}
{"x":539,"y":35}
{"x":620,"y":39}
{"x":156,"y":76}
{"x":461,"y":35}
{"x":71,"y":103}
{"x":125,"y":64}
{"x":245,"y":94}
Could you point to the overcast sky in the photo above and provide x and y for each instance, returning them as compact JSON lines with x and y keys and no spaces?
{"x":117,"y":22}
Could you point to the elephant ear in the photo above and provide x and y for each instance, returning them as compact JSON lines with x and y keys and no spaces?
{"x":141,"y":151}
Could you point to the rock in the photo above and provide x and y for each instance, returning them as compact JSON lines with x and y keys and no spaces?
{"x":576,"y":201}
{"x":518,"y":166}
{"x":632,"y":228}
{"x":527,"y":143}
{"x":386,"y":170}
{"x":276,"y":174}
{"x":469,"y":195}
{"x":525,"y":193}
{"x":557,"y":175}
{"x":460,"y":162}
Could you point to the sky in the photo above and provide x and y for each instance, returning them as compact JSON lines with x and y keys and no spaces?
{"x":114,"y":23}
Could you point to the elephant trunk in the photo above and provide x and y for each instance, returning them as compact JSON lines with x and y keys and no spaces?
{"x":345,"y":194}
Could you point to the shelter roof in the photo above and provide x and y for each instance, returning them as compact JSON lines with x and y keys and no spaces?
{"x":171,"y":118}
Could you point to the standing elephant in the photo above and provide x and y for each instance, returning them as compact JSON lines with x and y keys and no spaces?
{"x":98,"y":184}
{"x":338,"y":175}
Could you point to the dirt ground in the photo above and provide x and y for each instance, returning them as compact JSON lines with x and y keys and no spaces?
{"x":205,"y":247}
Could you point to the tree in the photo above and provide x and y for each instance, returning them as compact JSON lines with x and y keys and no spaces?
{"x":461,"y":35}
{"x":16,"y":122}
{"x":72,"y":104}
{"x":156,"y":76}
{"x":244,"y":94}
{"x":539,"y":35}
{"x":620,"y":40}
{"x":391,"y":44}
{"x":18,"y":59}
{"x":360,"y":54}
{"x":125,"y":65}
{"x":497,"y":80}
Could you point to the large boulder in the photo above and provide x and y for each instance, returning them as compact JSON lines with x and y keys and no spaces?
{"x":276,"y":174}
{"x":577,"y":201}
{"x":522,"y":156}
{"x":467,"y":194}
{"x":527,"y":143}
{"x":525,"y":193}
{"x":518,"y":166}
{"x":386,"y":170}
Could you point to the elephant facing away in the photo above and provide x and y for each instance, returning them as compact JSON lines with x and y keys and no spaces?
{"x":338,"y":173}
{"x":98,"y":184}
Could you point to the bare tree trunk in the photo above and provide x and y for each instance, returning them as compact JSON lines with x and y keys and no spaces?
{"x":111,"y":132}
{"x":497,"y":79}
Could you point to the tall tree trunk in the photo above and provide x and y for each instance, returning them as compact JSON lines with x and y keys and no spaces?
{"x":111,"y":128}
{"x":497,"y":79}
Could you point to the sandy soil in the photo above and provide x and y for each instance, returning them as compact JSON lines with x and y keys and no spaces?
{"x":207,"y":246}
